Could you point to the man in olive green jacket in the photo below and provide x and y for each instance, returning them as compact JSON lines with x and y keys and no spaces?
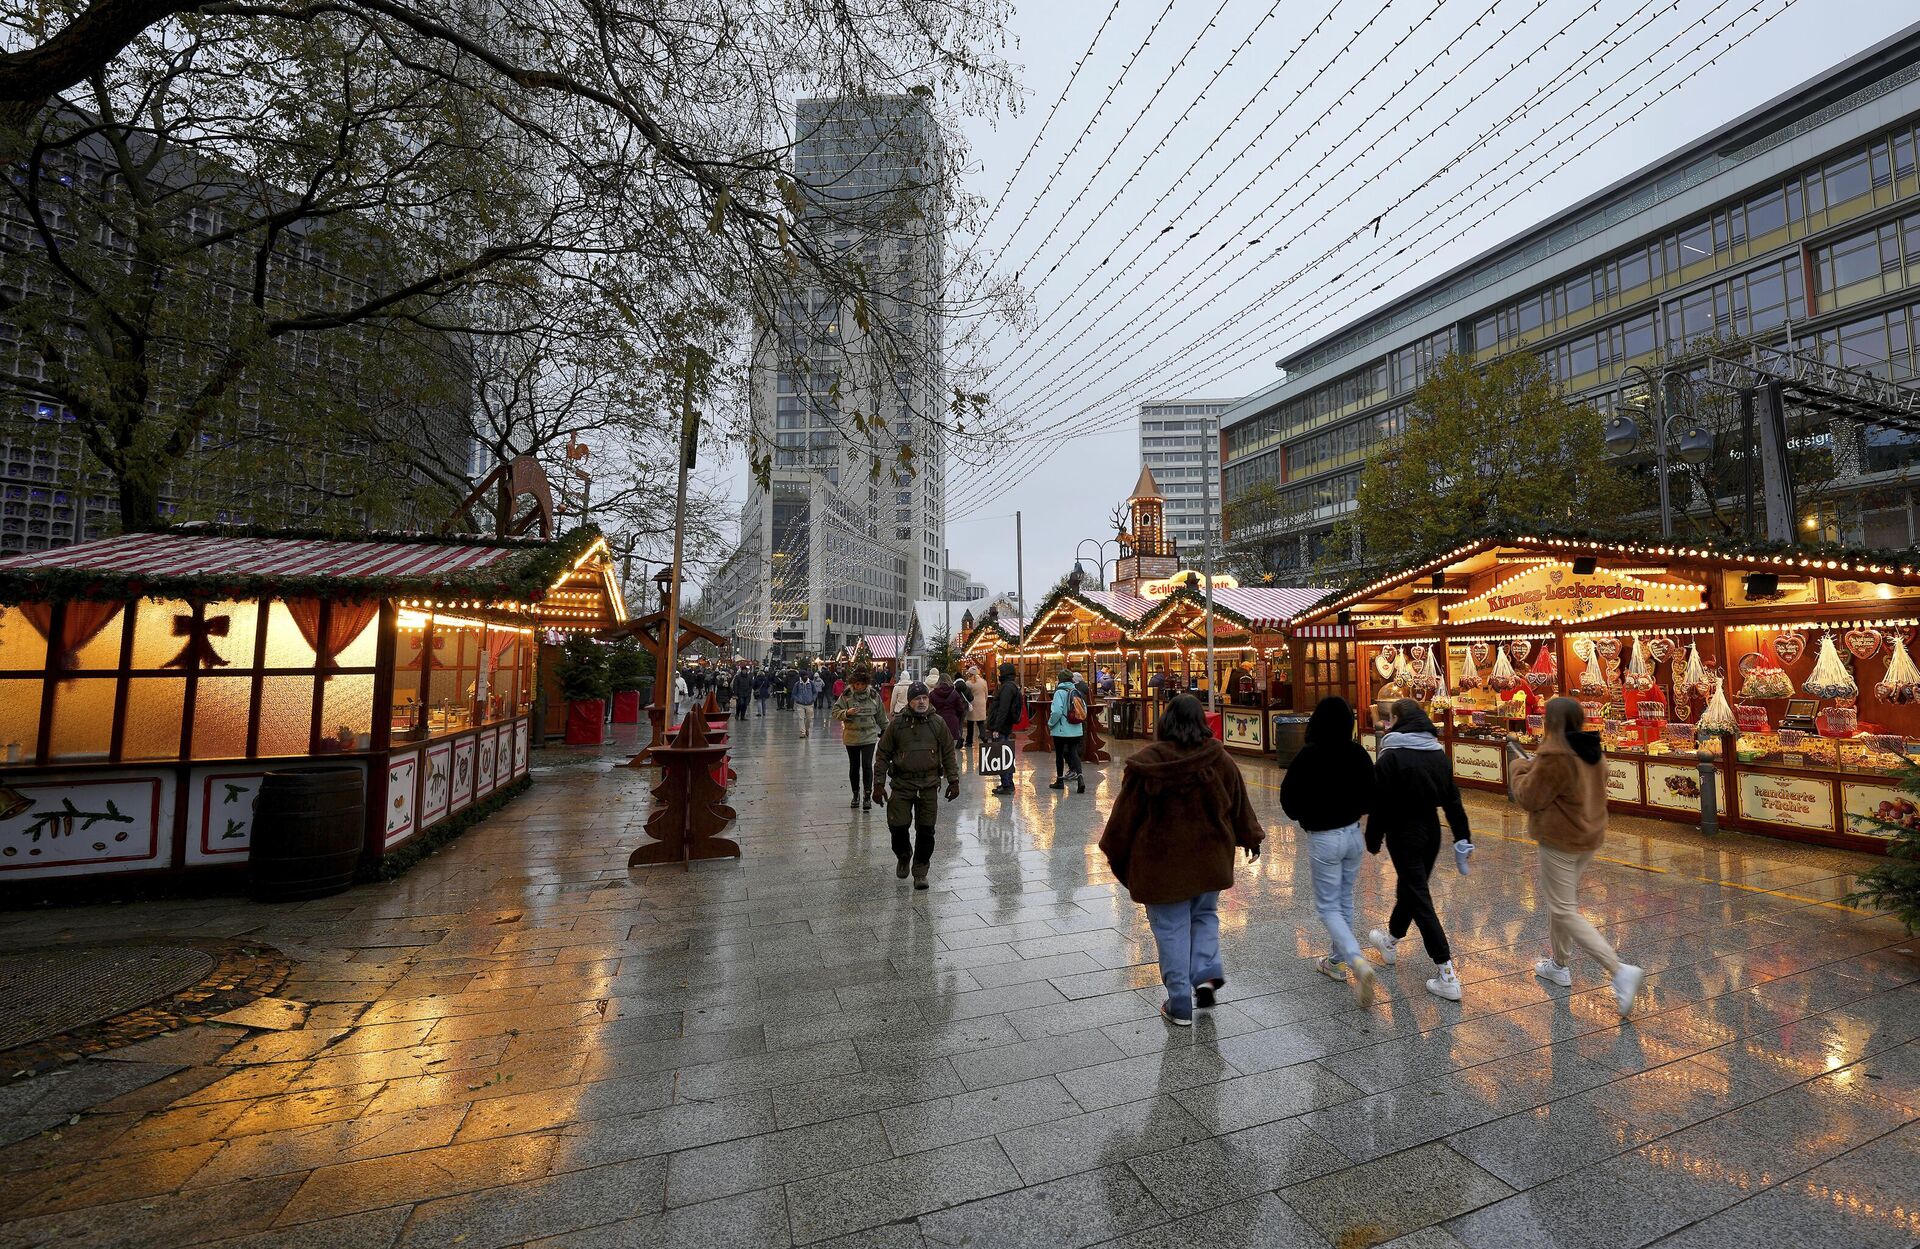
{"x":915,"y":752}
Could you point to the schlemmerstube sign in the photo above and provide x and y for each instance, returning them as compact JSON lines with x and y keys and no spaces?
{"x":1555,"y":594}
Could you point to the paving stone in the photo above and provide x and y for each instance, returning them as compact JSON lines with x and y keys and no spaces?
{"x":877,"y":1089}
{"x":1222,"y":1169}
{"x":1063,"y":1214}
{"x":1083,"y":1142}
{"x":900,"y":1188}
{"x":755,"y":1220}
{"x":985,"y":1112}
{"x":1248,"y":1101}
{"x":774,"y":1158}
{"x":267,"y":1012}
{"x":1373,"y":1203}
{"x":1010,"y":1063}
{"x":1265,"y":1222}
{"x":508,"y":1215}
{"x":1132,"y":1079}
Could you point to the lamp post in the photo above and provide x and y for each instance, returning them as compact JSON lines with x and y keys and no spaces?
{"x":1100,"y":546}
{"x":1693,"y":445}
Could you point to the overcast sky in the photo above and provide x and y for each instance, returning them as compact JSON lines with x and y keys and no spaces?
{"x":1347,"y":112}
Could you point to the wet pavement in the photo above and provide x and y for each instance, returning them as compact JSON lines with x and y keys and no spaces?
{"x":519,"y":1042}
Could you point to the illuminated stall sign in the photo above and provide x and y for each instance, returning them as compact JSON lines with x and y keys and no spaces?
{"x":1555,"y":594}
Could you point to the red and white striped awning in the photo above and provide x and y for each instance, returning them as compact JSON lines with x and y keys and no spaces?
{"x":1268,"y":607}
{"x":175,"y":554}
{"x":882,"y":645}
{"x":1129,"y":607}
{"x":1332,"y":631}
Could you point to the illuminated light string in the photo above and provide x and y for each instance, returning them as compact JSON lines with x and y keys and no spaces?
{"x":1109,"y":199}
{"x":1540,"y":93}
{"x":1237,"y":347}
{"x":997,"y":482}
{"x":1086,"y":306}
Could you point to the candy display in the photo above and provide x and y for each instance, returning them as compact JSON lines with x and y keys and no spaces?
{"x":1469,"y":671}
{"x":1830,"y":678}
{"x":1901,"y":684}
{"x":1639,"y":674}
{"x":1542,"y":676}
{"x":1718,"y":717}
{"x":1502,"y":677}
{"x":1765,"y":680}
{"x":1694,"y":678}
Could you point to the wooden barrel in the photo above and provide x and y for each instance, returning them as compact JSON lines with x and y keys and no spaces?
{"x":309,"y":826}
{"x":1289,"y":735}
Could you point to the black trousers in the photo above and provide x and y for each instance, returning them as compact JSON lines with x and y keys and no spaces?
{"x":1413,"y":856}
{"x":1066,"y":756}
{"x":860,"y":768}
{"x":919,"y":808}
{"x":740,"y":706}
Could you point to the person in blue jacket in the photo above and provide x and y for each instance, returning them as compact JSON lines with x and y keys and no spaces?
{"x":1066,"y":723}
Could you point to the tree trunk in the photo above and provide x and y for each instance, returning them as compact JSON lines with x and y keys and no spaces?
{"x":139,"y":505}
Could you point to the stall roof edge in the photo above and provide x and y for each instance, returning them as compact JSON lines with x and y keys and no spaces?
{"x":1895,"y":564}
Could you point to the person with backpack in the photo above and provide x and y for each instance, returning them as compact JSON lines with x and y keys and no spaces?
{"x":806,"y":688}
{"x":1326,"y":789}
{"x":915,"y":751}
{"x":742,"y":690}
{"x":858,"y":713}
{"x":1067,"y":722}
{"x":1182,"y":811}
{"x":1563,"y":789}
{"x":1411,"y":779}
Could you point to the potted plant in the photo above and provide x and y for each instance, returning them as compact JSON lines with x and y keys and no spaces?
{"x":584,"y":683}
{"x":628,"y":667}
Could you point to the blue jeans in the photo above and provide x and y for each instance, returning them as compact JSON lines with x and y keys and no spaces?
{"x":1336,"y":855}
{"x":1187,"y":935}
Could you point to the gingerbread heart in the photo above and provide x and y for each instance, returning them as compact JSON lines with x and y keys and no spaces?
{"x":1607,"y":649}
{"x":1481,"y":654}
{"x":1789,"y":647}
{"x":1864,"y":643}
{"x":1661,"y":649}
{"x":1383,"y":662}
{"x":1417,"y":651}
{"x":1520,"y":650}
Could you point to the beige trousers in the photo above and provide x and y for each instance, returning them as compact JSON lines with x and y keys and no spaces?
{"x":1560,"y":888}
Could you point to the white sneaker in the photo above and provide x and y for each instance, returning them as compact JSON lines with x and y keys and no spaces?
{"x":1364,"y":983}
{"x":1447,"y":987}
{"x":1384,"y":942}
{"x":1626,"y":987}
{"x":1332,"y":969}
{"x":1553,"y":973}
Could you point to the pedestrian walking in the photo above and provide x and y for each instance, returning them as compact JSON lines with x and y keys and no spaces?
{"x":1183,"y":809}
{"x":762,"y":690}
{"x":805,"y":691}
{"x":950,"y":706}
{"x":1411,"y":779}
{"x":680,"y":694}
{"x":1326,"y":790}
{"x":1066,"y":721}
{"x":915,"y":751}
{"x":976,"y":693}
{"x":742,"y":690}
{"x":1009,"y":701}
{"x":897,"y":699}
{"x":1563,"y":789}
{"x":858,"y":713}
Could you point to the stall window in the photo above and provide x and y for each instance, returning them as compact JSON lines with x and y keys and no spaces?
{"x":286,"y":713}
{"x":20,"y":719}
{"x":23,"y":647}
{"x":83,"y":718}
{"x":287,"y":645}
{"x":155,"y":706}
{"x":346,"y":716}
{"x":221,"y":705}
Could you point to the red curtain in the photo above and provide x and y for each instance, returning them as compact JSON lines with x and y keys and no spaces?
{"x":498,"y":643}
{"x":350,"y":618}
{"x":83,"y":622}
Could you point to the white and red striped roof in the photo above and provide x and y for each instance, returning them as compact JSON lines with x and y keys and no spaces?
{"x":1268,"y":607}
{"x":882,"y":645}
{"x":1129,"y":607}
{"x":176,"y":554}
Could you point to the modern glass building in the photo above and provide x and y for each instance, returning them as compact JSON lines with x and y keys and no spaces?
{"x":1796,"y":225}
{"x":1179,"y":439}
{"x":828,"y":550}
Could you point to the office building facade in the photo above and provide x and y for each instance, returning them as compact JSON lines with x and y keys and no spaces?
{"x":1796,"y":225}
{"x":1180,"y":442}
{"x":830,"y":551}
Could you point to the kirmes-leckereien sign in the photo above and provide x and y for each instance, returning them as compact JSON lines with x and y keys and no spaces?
{"x":1555,"y":594}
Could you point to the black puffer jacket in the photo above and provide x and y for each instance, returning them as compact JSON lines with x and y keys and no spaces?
{"x":1412,"y":781}
{"x":1330,"y":782}
{"x":1008,"y":702}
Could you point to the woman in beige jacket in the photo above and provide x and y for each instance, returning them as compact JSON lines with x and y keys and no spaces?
{"x":1563,"y":789}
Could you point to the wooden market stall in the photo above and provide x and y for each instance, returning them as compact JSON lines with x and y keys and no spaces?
{"x":1811,"y":650}
{"x":1253,"y":657}
{"x":150,"y":681}
{"x":993,"y":640}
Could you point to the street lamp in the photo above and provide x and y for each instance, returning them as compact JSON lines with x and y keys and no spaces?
{"x":1100,"y":549}
{"x":1693,"y":444}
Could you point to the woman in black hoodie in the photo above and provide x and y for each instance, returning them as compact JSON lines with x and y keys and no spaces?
{"x":1411,"y":780}
{"x":1326,"y":790}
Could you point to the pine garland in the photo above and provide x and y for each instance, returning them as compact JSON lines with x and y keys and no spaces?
{"x":523,"y":576}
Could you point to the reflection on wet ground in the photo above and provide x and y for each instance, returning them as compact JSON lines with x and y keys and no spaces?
{"x":519,"y":1042}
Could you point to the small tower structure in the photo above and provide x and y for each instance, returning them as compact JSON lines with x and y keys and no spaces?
{"x":1146,"y":552}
